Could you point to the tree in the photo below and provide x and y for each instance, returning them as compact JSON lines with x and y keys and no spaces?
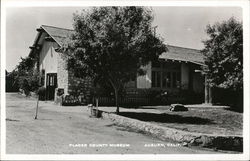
{"x":224,"y":55}
{"x":25,"y":75}
{"x":112,"y":44}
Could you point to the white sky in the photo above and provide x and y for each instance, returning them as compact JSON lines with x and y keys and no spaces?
{"x":180,"y":26}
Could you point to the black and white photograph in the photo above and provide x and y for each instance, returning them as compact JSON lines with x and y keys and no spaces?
{"x":118,"y":79}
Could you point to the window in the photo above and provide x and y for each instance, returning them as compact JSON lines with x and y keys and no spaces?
{"x":178,"y":80}
{"x":166,"y":79}
{"x":156,"y":79}
{"x":51,"y":81}
{"x":166,"y":74}
{"x":158,"y":74}
{"x":174,"y":79}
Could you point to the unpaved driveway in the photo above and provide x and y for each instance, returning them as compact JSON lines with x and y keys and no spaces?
{"x":70,"y":130}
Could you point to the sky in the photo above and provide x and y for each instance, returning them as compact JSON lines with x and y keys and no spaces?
{"x":179,"y":26}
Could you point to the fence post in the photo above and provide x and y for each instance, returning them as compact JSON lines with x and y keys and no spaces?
{"x":37,"y":107}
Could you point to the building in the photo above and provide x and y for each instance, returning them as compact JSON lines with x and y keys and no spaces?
{"x":178,"y":70}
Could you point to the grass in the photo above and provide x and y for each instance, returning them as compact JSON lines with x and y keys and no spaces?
{"x":218,"y":121}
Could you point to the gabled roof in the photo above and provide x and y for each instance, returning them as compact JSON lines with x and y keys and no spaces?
{"x":61,"y":36}
{"x":183,"y":54}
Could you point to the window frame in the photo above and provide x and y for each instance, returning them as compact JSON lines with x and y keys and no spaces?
{"x":165,"y":72}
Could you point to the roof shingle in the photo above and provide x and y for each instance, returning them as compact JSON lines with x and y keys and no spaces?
{"x":183,"y":54}
{"x":61,"y":36}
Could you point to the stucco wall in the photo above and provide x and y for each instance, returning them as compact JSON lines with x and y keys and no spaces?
{"x":48,"y":58}
{"x":145,"y":80}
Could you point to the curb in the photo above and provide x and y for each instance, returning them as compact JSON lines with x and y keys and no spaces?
{"x":232,"y":143}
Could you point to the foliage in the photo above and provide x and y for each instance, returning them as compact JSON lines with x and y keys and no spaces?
{"x":29,"y":81}
{"x":10,"y":84}
{"x":41,"y":92}
{"x":224,"y":55}
{"x":111,"y":44}
{"x":26,"y":76}
{"x":26,"y":65}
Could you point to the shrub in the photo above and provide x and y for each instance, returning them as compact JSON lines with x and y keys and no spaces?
{"x":41,"y":93}
{"x":29,"y":82}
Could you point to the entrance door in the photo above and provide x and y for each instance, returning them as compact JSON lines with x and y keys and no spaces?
{"x":51,"y":85}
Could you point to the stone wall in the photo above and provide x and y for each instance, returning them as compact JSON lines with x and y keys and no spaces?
{"x":222,"y":142}
{"x":76,"y":90}
{"x":80,"y":87}
{"x":62,"y":73}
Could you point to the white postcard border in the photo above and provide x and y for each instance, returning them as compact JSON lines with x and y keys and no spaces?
{"x":244,"y":4}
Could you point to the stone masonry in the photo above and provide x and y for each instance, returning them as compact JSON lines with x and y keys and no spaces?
{"x":62,"y":73}
{"x":232,"y":143}
{"x":80,"y":87}
{"x":72,"y":86}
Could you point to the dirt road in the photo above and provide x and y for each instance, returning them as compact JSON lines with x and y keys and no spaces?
{"x":70,"y":130}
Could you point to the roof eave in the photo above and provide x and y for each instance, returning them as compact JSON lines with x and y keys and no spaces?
{"x":51,"y":36}
{"x":185,"y":61}
{"x":33,"y":47}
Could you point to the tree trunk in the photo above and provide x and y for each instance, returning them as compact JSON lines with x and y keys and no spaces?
{"x":116,"y":89}
{"x":117,"y":100}
{"x":206,"y":91}
{"x":211,"y":89}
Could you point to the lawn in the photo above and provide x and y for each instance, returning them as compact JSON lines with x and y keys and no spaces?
{"x":218,"y":121}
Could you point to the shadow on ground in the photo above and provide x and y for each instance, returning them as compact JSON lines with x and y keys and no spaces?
{"x":160,"y":107}
{"x":139,"y":107}
{"x":165,"y":118}
{"x":234,"y":109}
{"x":8,"y":119}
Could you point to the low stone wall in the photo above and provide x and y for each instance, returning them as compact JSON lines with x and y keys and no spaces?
{"x":234,"y":143}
